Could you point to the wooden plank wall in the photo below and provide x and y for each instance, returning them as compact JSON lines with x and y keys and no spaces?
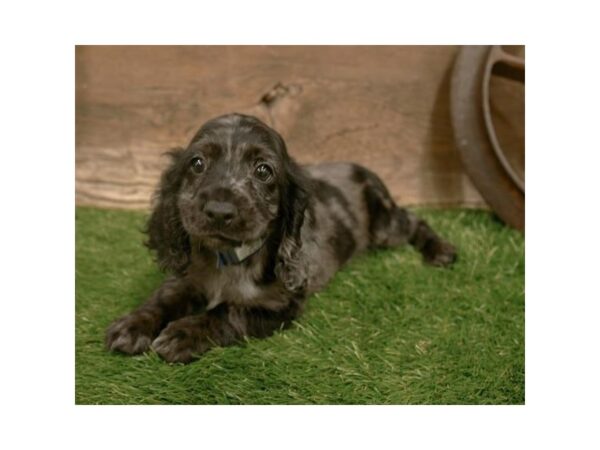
{"x":383,"y":106}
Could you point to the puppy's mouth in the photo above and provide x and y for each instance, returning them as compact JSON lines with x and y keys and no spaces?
{"x":220,"y":241}
{"x":224,"y":239}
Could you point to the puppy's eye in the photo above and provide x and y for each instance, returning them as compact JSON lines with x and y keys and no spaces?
{"x":263,"y":172}
{"x":197,"y":165}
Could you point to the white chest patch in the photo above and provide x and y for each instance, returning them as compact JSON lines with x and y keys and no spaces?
{"x":231,"y":284}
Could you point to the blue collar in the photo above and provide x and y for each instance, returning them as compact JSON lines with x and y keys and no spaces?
{"x":238,"y":254}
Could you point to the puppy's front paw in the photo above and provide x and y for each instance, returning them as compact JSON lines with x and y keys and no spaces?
{"x":440,"y":254}
{"x":131,"y":334}
{"x":182,"y":340}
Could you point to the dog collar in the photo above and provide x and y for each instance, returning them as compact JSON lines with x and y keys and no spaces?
{"x":238,"y":254}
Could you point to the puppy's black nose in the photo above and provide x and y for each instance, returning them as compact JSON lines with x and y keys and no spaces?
{"x":220,"y":212}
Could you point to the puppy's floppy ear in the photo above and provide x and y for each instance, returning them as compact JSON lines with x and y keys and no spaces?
{"x":166,"y":234}
{"x":291,"y":265}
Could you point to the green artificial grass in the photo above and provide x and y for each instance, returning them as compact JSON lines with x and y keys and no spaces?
{"x":387,"y":330}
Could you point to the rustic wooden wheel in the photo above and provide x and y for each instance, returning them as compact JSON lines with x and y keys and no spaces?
{"x":497,"y":177}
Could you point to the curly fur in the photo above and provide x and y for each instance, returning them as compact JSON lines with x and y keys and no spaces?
{"x":165,"y":230}
{"x":235,"y":183}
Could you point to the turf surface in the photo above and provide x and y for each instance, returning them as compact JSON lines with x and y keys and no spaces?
{"x":387,"y":330}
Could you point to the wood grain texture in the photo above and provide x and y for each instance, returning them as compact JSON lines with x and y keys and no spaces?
{"x":386,"y":107}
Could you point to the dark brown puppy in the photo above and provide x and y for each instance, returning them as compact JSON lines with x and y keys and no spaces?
{"x":248,"y":234}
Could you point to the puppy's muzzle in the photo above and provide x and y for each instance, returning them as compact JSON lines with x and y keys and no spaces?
{"x":220,"y":213}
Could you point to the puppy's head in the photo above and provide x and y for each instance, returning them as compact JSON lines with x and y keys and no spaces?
{"x":233,"y":184}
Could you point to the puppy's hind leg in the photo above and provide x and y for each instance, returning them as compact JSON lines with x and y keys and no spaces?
{"x":435,"y":250}
{"x":392,"y":226}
